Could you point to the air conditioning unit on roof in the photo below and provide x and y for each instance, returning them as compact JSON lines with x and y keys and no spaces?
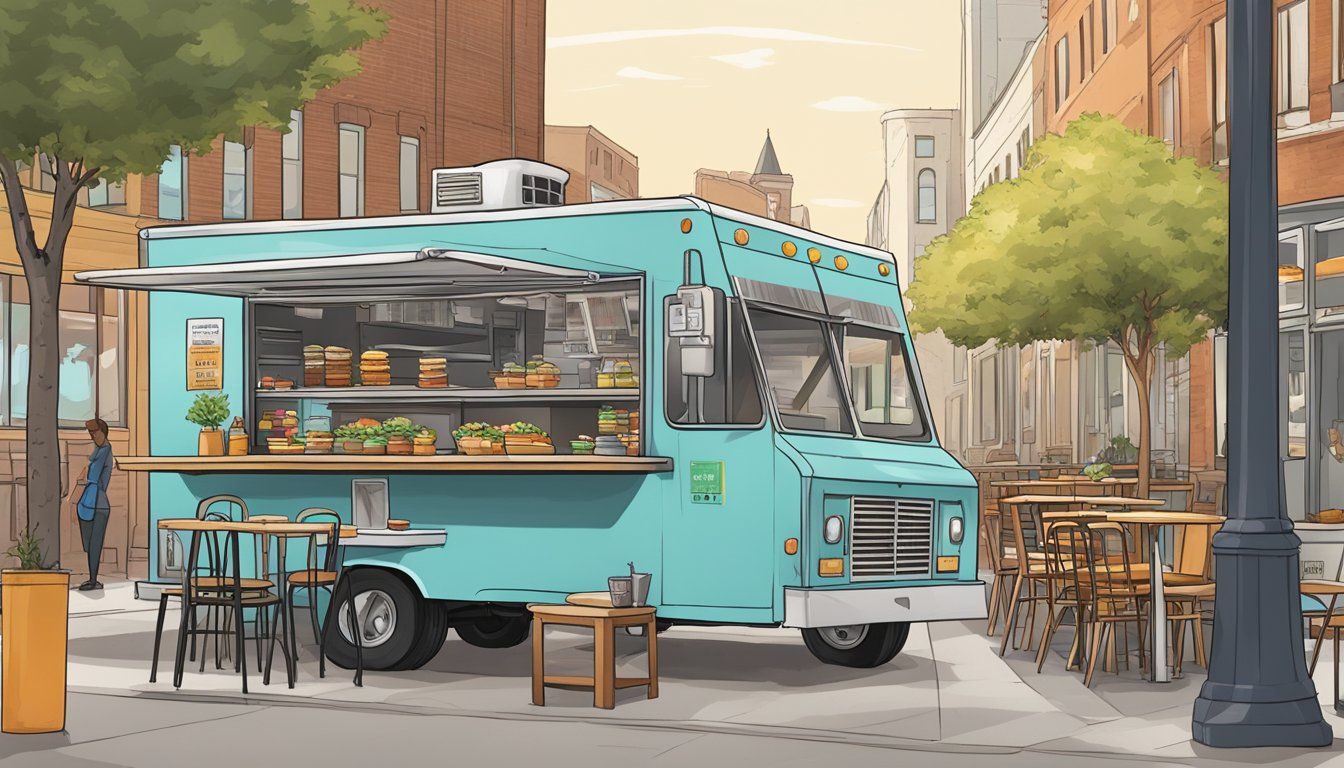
{"x":498,"y":185}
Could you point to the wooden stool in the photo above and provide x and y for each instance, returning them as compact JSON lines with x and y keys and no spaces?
{"x":604,"y":622}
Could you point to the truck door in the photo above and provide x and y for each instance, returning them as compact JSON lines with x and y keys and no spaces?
{"x":719,"y":530}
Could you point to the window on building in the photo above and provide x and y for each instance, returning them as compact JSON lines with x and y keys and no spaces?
{"x":46,"y":173}
{"x":928,"y":196}
{"x":1294,"y":59}
{"x":92,"y":367}
{"x":410,"y":174}
{"x":1218,"y":89}
{"x":1061,"y":395}
{"x":1220,"y":393}
{"x":105,"y":195}
{"x":539,"y":190}
{"x":731,"y":396}
{"x":1023,"y":145}
{"x":1108,"y":25}
{"x":351,"y":170}
{"x":1292,"y":274}
{"x":956,"y":428}
{"x":987,"y":397}
{"x":959,"y":361}
{"x":1293,"y":393}
{"x":291,"y":171}
{"x":1027,"y":392}
{"x":606,"y":164}
{"x":1089,"y":22}
{"x":1083,"y":67}
{"x":924,"y":146}
{"x":1061,"y":72}
{"x":1329,"y":408}
{"x":1007,"y":166}
{"x":1329,"y":249}
{"x":1170,"y":105}
{"x":598,"y":192}
{"x":237,"y":186}
{"x":173,"y":185}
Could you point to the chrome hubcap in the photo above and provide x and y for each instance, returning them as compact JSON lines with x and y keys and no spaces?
{"x":844,"y":638}
{"x":375,"y":615}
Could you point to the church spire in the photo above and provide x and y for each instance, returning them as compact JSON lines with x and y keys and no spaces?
{"x":768,"y":163}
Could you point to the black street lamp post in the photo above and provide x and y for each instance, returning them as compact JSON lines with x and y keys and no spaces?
{"x":1258,"y":692}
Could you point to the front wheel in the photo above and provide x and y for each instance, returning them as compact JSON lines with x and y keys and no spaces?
{"x":857,"y":645}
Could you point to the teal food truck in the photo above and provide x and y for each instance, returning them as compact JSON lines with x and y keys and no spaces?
{"x":537,"y":394}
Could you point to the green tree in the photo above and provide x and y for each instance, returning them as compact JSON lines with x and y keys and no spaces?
{"x":1104,"y":236}
{"x":102,"y":89}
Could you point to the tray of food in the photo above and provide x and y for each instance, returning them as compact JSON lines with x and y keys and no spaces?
{"x":542,"y":374}
{"x":479,"y":439}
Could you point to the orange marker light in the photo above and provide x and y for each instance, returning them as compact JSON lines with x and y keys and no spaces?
{"x":946,"y":564}
{"x":789,"y":249}
{"x":685,"y":226}
{"x":790,"y":546}
{"x":813,"y":255}
{"x":831,"y":567}
{"x":883,"y":270}
{"x":841,"y":263}
{"x":741,"y":237}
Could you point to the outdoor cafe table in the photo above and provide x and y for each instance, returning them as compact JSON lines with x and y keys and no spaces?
{"x":279,"y":528}
{"x":1152,"y":521}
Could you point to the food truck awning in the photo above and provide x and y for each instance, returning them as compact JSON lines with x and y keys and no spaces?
{"x":436,"y":270}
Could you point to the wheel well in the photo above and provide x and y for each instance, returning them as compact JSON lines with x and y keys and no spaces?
{"x":405,"y":576}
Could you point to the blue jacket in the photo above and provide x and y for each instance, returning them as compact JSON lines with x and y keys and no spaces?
{"x":94,"y":497}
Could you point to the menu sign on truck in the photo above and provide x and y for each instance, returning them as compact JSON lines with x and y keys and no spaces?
{"x":706,"y":482}
{"x":205,"y":353}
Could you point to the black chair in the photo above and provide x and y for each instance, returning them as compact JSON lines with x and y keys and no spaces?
{"x":320,"y":574}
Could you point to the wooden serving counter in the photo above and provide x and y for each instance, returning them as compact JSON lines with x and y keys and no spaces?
{"x":195,"y":465}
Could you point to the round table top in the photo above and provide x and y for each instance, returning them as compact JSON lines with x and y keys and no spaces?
{"x":590,"y":599}
{"x":1092,"y":501}
{"x":1161,"y":517}
{"x":1321,"y":587}
{"x":588,"y":611}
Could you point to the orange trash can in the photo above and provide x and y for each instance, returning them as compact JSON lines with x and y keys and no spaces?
{"x":34,"y":632}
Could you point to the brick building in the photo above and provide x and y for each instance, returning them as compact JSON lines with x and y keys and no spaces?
{"x":767,"y":191}
{"x":599,"y":168}
{"x":451,"y":83}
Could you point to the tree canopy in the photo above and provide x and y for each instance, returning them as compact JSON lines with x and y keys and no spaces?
{"x":1104,"y":235}
{"x":114,"y":83}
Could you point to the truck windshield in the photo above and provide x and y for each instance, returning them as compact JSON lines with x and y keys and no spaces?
{"x":800,"y":372}
{"x":881,"y":383}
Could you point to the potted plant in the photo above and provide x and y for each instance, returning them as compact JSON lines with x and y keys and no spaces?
{"x":1097,"y":471}
{"x":35,"y":606}
{"x":208,"y":412}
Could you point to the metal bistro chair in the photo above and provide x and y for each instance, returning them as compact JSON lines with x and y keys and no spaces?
{"x":1067,"y":549}
{"x":317,"y":575}
{"x":1114,"y":594}
{"x":1003,"y":568}
{"x":1030,"y":572}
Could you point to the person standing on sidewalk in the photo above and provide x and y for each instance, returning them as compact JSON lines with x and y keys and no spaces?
{"x":91,"y":504}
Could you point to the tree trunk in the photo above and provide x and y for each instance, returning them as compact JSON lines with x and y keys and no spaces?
{"x":42,"y":271}
{"x":1140,"y":369}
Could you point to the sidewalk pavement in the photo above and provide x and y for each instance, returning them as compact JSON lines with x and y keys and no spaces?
{"x":947,"y":692}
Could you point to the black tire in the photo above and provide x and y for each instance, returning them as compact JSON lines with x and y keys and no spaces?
{"x":495,"y":631}
{"x":403,"y":626}
{"x":862,"y":646}
{"x":430,"y":640}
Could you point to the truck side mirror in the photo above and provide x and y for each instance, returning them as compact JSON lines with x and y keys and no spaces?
{"x":693,"y":320}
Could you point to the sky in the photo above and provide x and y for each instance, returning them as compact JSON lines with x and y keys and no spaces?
{"x":695,"y":84}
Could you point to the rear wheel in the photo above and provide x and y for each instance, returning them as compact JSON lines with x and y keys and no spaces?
{"x":495,"y":631}
{"x":857,"y":645}
{"x":396,"y":625}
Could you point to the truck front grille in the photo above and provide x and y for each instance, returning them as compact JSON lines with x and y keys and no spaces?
{"x":890,"y":537}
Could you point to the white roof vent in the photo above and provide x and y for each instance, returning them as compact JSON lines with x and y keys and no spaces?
{"x":499,"y":185}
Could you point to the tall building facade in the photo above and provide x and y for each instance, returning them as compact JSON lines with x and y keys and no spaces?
{"x":766,"y":191}
{"x":599,"y":168}
{"x":451,"y":83}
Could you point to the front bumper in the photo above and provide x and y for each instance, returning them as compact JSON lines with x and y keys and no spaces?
{"x":806,"y":608}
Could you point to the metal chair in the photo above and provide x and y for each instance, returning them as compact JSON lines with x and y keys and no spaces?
{"x":1113,"y":591}
{"x":1029,"y":572}
{"x":1067,"y":548}
{"x":317,"y":576}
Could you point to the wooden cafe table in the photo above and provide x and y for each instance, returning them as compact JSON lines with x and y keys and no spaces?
{"x":1152,"y":521}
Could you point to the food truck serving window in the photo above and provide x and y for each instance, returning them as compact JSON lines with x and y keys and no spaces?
{"x":881,"y":384}
{"x":799,"y":370}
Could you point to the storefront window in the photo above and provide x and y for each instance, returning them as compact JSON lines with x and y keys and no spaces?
{"x":1330,"y":409}
{"x":1290,"y":271}
{"x":1293,"y":387}
{"x":1330,"y":270}
{"x":90,"y":369}
{"x":987,"y":397}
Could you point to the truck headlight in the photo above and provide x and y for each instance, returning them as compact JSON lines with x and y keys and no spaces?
{"x":834,"y":529}
{"x":956,"y":529}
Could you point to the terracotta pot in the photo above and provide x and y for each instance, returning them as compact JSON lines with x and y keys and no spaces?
{"x":36,"y":609}
{"x":211,"y":442}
